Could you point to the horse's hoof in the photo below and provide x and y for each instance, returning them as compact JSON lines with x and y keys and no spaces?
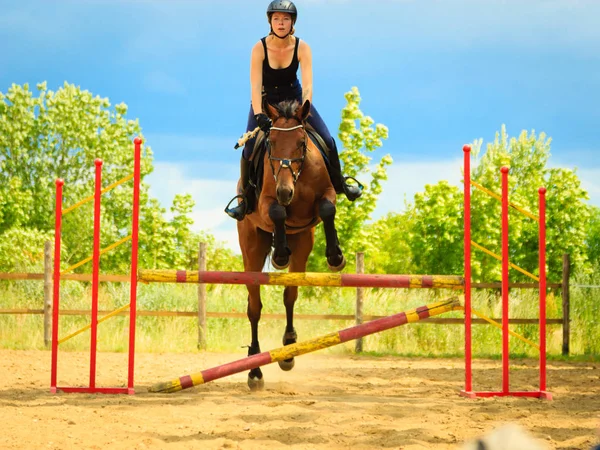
{"x":339,"y":267}
{"x":283,"y":265}
{"x":287,"y":365}
{"x":256,"y":384}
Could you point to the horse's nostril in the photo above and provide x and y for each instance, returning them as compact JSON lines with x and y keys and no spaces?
{"x":284,"y":195}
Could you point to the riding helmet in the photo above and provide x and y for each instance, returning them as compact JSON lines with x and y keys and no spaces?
{"x":285,"y":6}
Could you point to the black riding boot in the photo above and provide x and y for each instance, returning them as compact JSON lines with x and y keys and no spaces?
{"x":338,"y":180}
{"x":244,"y":207}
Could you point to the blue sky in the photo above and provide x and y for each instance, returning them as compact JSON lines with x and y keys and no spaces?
{"x":438,"y":73}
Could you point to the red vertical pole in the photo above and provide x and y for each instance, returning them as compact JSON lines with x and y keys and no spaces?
{"x":505,"y":349}
{"x":134,"y":261}
{"x":95,"y":272}
{"x":56,"y":296}
{"x":542,"y":269}
{"x":467,"y":257}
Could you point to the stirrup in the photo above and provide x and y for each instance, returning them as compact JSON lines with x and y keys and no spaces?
{"x":352,"y":196}
{"x":233,"y":212}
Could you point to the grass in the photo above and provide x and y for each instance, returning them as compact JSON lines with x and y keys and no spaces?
{"x":179,"y":334}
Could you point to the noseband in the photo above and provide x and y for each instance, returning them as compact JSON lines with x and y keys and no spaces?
{"x":285,"y":163}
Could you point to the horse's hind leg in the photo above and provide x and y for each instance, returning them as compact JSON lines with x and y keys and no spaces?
{"x":333,"y":252}
{"x":301,"y":244}
{"x":255,"y":245}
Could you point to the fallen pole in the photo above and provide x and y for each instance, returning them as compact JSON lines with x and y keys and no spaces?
{"x":302,"y":279}
{"x":300,"y":348}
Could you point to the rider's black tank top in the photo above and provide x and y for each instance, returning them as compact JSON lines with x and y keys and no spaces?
{"x":281,"y":84}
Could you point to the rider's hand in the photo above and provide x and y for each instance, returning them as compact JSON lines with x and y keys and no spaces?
{"x":263,"y":121}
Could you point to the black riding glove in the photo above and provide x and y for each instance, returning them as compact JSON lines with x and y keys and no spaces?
{"x":263,"y":121}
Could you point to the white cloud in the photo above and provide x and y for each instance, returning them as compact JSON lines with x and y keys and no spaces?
{"x":590,"y":181}
{"x":405,"y":179}
{"x":210,"y":194}
{"x":589,"y":176}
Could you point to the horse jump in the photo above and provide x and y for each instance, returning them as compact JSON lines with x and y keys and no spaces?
{"x":301,"y":348}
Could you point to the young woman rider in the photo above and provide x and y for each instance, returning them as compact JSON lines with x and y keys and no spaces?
{"x":273,"y":78}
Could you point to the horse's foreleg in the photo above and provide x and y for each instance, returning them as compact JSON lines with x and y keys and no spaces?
{"x":281,"y":251}
{"x":333,"y":252}
{"x":290,"y":295}
{"x":255,"y":377}
{"x":301,"y":244}
{"x":255,"y":245}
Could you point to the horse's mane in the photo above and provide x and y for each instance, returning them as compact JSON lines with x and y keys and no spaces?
{"x":288,"y":108}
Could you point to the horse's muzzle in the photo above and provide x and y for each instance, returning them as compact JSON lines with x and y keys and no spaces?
{"x":285,"y":195}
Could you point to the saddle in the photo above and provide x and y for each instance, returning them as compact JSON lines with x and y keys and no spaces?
{"x":260,"y":148}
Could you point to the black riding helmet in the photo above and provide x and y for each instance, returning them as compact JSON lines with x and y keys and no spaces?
{"x":284,"y":6}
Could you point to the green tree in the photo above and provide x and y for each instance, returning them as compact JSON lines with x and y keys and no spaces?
{"x":392,"y":254}
{"x":359,"y":136}
{"x":59,"y":134}
{"x":592,"y":237}
{"x":527,"y":157}
{"x":436,"y":238}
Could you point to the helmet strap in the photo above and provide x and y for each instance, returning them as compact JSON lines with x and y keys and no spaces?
{"x":277,"y":36}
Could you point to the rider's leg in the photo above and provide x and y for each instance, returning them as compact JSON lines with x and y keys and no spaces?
{"x":247,"y":191}
{"x":337,"y":179}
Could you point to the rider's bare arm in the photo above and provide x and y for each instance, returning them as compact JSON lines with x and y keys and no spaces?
{"x":256,"y":81}
{"x":305,"y":58}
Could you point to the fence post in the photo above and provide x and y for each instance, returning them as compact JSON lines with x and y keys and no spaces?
{"x":566,"y":326}
{"x":47,"y":293}
{"x":202,"y":299}
{"x":360,"y":268}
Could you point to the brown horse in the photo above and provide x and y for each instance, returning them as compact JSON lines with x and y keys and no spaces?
{"x":296,"y":195}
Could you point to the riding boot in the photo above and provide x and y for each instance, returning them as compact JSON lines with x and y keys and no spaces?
{"x":245,"y":206}
{"x":338,"y":180}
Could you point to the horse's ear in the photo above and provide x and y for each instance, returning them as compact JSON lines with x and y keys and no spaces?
{"x":305,"y":110}
{"x":271,"y":112}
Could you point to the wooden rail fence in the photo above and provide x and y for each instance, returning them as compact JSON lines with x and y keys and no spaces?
{"x":202,"y":314}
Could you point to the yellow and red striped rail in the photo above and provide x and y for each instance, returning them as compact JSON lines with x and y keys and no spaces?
{"x":303,"y":279}
{"x":301,"y":348}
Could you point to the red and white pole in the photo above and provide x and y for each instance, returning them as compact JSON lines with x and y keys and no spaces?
{"x":505,"y":256}
{"x":134,"y":261}
{"x":95,"y":272}
{"x":56,"y":297}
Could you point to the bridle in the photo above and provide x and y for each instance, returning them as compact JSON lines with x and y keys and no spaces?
{"x":285,"y":163}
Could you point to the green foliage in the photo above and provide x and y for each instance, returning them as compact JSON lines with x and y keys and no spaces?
{"x":566,"y":213}
{"x":585,"y":310}
{"x":438,"y":213}
{"x":436,"y":240}
{"x":592,"y":236}
{"x":23,"y":249}
{"x":359,"y":137}
{"x":59,"y":134}
{"x":393,"y":253}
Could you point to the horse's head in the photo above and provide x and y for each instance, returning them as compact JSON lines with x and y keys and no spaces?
{"x":287,"y":143}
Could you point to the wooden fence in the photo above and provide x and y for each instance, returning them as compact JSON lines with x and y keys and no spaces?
{"x":202,"y":314}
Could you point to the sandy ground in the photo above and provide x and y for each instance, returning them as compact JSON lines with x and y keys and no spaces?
{"x":325,"y":402}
